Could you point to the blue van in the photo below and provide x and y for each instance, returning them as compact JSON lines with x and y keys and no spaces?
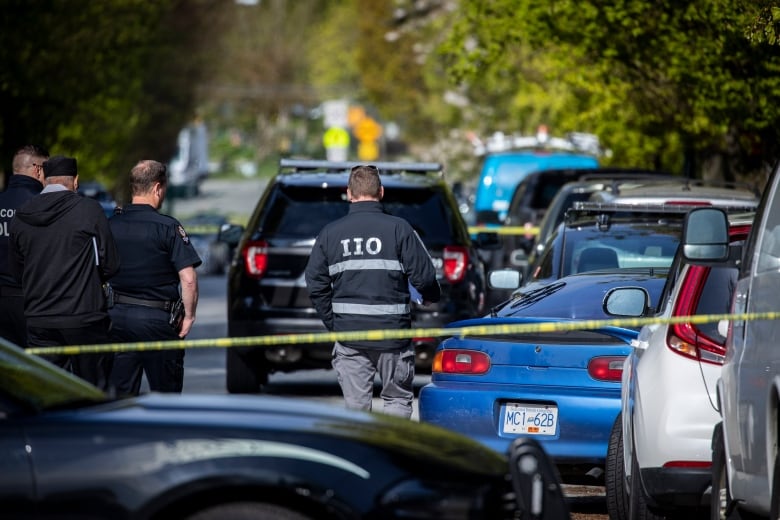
{"x":502,"y":171}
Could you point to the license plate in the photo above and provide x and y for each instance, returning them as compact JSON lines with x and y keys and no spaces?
{"x":529,"y":419}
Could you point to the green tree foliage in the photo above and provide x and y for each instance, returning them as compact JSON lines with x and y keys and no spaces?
{"x":264,"y":86}
{"x":106,"y":82}
{"x":648,"y":77}
{"x":388,"y":62}
{"x":332,"y":53}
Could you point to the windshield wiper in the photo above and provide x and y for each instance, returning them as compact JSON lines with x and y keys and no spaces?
{"x":520,"y":300}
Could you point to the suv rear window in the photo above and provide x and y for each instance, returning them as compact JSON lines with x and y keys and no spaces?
{"x":302,"y":212}
{"x":428,"y":213}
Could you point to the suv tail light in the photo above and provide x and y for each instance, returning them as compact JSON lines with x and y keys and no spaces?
{"x":456,"y":260}
{"x":685,"y":338}
{"x":461,"y":362}
{"x":255,"y":255}
{"x":606,"y":368}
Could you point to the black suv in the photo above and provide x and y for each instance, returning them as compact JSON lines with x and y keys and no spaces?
{"x":266,"y":288}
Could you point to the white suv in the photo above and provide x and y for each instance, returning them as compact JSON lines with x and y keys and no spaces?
{"x":659,"y":454}
{"x":745,"y":453}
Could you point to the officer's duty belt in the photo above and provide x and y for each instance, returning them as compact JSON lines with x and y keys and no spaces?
{"x":157,"y":304}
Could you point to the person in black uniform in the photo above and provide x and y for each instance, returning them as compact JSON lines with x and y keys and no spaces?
{"x":25,"y":183}
{"x":62,"y":251}
{"x":359,"y":277}
{"x":158,"y":269}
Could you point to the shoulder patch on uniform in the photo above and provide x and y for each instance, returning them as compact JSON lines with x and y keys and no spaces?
{"x":183,"y":234}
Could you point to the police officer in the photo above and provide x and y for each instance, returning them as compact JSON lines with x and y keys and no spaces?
{"x":25,"y":183}
{"x":359,"y":276}
{"x":158,"y":269}
{"x":61,"y":249}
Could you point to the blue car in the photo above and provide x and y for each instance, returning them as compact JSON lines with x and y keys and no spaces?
{"x":560,"y":388}
{"x":501,"y":172}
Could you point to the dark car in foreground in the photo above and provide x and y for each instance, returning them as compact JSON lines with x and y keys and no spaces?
{"x":560,"y":387}
{"x":67,"y":450}
{"x":266,"y":287}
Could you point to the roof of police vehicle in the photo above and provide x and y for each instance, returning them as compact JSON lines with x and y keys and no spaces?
{"x":331,"y":173}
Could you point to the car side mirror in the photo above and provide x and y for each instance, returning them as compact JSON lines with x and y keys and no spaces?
{"x":706,"y":236}
{"x":230,"y":234}
{"x":627,"y":302}
{"x":504,"y":279}
{"x":519,"y":258}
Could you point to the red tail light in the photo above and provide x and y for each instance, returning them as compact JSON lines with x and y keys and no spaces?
{"x":606,"y":368}
{"x":256,"y":258}
{"x":461,"y":362}
{"x":456,"y":261}
{"x":685,"y":338}
{"x":688,"y":464}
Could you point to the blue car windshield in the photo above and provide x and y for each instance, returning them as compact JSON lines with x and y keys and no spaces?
{"x":621,"y":246}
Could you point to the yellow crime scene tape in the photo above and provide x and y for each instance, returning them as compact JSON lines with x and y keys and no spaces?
{"x":504,"y":230}
{"x":369,"y":335}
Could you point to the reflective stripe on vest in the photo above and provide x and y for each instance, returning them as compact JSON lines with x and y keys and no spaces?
{"x":362,"y":265}
{"x":370,"y":310}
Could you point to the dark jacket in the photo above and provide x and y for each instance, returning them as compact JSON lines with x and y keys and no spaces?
{"x":62,"y":250}
{"x":153,"y":248}
{"x":20,"y":189}
{"x":360,"y":269}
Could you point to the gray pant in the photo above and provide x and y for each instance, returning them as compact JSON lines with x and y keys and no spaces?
{"x":356,"y":369}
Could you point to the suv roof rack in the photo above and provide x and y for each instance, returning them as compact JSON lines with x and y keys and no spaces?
{"x":650,"y":208}
{"x":308,"y":165}
{"x":688,"y":182}
{"x":620,"y":176}
{"x":602,"y":207}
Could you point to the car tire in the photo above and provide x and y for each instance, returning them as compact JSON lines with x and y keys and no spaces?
{"x":774,"y":504}
{"x":638,"y":509}
{"x":615,"y":474}
{"x":242,"y":377}
{"x":720,"y":496}
{"x":248,"y":511}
